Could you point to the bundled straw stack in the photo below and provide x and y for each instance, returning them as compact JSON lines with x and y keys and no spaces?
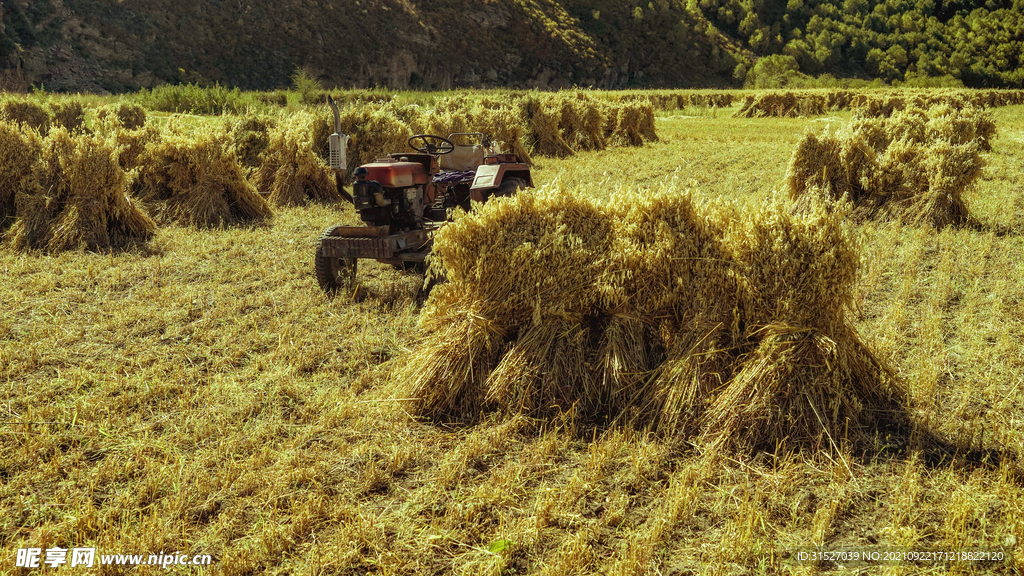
{"x":873,"y":104}
{"x":767,"y":104}
{"x":131,"y":143}
{"x":677,"y":100}
{"x":290,"y":169}
{"x":656,"y":311}
{"x":804,"y":374}
{"x":26,"y":112}
{"x":129,"y":116}
{"x":633,"y":124}
{"x":792,"y":104}
{"x":127,"y":130}
{"x":500,"y":120}
{"x":196,"y":180}
{"x":251,"y":136}
{"x":21,"y":150}
{"x":79,"y":201}
{"x":375,"y":130}
{"x":523,"y":123}
{"x":913,"y":166}
{"x":68,"y":113}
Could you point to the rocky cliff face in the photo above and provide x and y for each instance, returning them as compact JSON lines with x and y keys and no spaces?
{"x":49,"y":44}
{"x":116,"y":45}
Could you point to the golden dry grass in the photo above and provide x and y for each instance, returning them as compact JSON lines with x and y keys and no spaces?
{"x":21,"y":152}
{"x":25,"y":111}
{"x":871,"y":103}
{"x":251,"y":135}
{"x":526,"y":124}
{"x":67,"y":112}
{"x":200,"y":394}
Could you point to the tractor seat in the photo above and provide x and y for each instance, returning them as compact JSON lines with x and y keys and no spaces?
{"x":463,"y":158}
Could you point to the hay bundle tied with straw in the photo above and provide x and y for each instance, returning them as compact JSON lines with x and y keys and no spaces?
{"x":128,"y":115}
{"x":130,"y":142}
{"x":634,"y":125}
{"x":26,"y":112}
{"x":805,"y":375}
{"x":21,"y":151}
{"x":81,"y":201}
{"x":374,"y":130}
{"x":914,"y":166}
{"x":250,"y":136}
{"x":655,"y":310}
{"x":290,"y":169}
{"x":196,"y":180}
{"x":69,"y":113}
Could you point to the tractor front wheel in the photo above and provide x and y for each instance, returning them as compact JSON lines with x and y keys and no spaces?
{"x":333,"y":273}
{"x":508,"y":187}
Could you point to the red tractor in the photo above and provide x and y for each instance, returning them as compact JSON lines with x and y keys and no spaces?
{"x":404,"y":197}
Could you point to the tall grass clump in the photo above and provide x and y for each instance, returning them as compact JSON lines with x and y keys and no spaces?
{"x":656,"y":311}
{"x":278,"y":98}
{"x":81,"y":201}
{"x":192,"y":99}
{"x":914,"y":166}
{"x":196,"y":180}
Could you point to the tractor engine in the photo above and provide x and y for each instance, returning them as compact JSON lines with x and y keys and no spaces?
{"x":391,"y":193}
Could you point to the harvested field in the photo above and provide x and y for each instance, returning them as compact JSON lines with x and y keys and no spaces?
{"x":201,"y":394}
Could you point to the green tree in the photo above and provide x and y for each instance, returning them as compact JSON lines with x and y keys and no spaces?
{"x":775,"y":71}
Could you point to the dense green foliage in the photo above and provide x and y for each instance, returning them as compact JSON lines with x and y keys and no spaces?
{"x":259,"y":44}
{"x":978,"y":42}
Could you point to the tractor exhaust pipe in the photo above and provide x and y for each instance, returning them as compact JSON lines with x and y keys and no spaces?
{"x":338,"y":141}
{"x":338,"y":144}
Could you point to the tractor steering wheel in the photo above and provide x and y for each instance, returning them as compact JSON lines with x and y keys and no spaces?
{"x":431,"y":144}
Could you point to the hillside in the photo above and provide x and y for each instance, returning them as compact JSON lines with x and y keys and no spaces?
{"x":119,"y":45}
